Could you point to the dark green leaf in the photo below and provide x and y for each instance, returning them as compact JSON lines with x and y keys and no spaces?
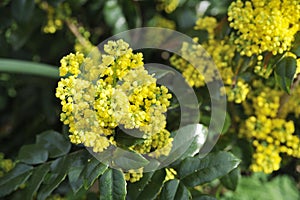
{"x":173,"y":189}
{"x":230,"y":180}
{"x":77,"y":165}
{"x":33,"y":154}
{"x":227,"y":123}
{"x":129,"y":160}
{"x":22,"y":10}
{"x":125,"y":140}
{"x":195,"y":171}
{"x":197,"y":143}
{"x":58,"y":173}
{"x":148,"y":187}
{"x":92,"y":171}
{"x":36,"y":180}
{"x":14,"y":178}
{"x":188,"y":140}
{"x":112,"y":185}
{"x":284,"y":73}
{"x":54,"y":142}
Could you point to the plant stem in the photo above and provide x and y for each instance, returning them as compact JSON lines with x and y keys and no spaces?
{"x":27,"y":67}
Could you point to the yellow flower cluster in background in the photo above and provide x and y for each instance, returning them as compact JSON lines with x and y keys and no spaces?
{"x":167,"y":5}
{"x":96,"y":97}
{"x":160,"y":21}
{"x":5,"y":165}
{"x":55,"y":16}
{"x":221,"y":51}
{"x":270,"y":135}
{"x":264,"y":25}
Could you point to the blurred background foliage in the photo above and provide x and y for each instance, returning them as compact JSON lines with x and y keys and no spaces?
{"x":44,"y":31}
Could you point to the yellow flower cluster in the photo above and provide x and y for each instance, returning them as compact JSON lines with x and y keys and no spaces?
{"x":264,"y":25}
{"x":160,"y":21}
{"x":5,"y":165}
{"x":207,"y":23}
{"x":134,"y":175}
{"x":197,"y":70}
{"x":222,"y":52}
{"x":237,"y":92}
{"x":158,"y":144}
{"x":97,"y":97}
{"x":167,"y":5}
{"x":271,"y":136}
{"x":170,"y":174}
{"x":55,"y":16}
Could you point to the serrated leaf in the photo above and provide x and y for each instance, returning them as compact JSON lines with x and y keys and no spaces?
{"x":284,"y":73}
{"x":147,"y":187}
{"x":92,"y":171}
{"x":22,"y":10}
{"x":36,"y":180}
{"x":230,"y":180}
{"x":54,"y":142}
{"x":173,"y":189}
{"x":33,"y":154}
{"x":196,"y":171}
{"x":58,"y":173}
{"x":129,"y":160}
{"x":112,"y":185}
{"x":14,"y":178}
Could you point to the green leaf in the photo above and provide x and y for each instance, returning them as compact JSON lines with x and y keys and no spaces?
{"x":254,"y":187}
{"x":54,"y":142}
{"x":188,"y":140}
{"x":26,"y":67}
{"x":22,"y":10}
{"x":33,"y":154}
{"x":92,"y":171}
{"x":173,"y":189}
{"x":36,"y":180}
{"x":148,"y":186}
{"x":284,"y":73}
{"x":58,"y":173}
{"x":76,"y":167}
{"x":112,"y":185}
{"x":129,"y":160}
{"x":114,"y":17}
{"x":197,"y":143}
{"x":230,"y":180}
{"x":196,"y":171}
{"x":14,"y":178}
{"x":126,"y":140}
{"x":227,"y":123}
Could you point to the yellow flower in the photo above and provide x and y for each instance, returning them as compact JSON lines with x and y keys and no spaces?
{"x":264,"y":25}
{"x":167,"y":5}
{"x":96,"y":98}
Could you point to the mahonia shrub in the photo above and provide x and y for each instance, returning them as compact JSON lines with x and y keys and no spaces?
{"x":97,"y":100}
